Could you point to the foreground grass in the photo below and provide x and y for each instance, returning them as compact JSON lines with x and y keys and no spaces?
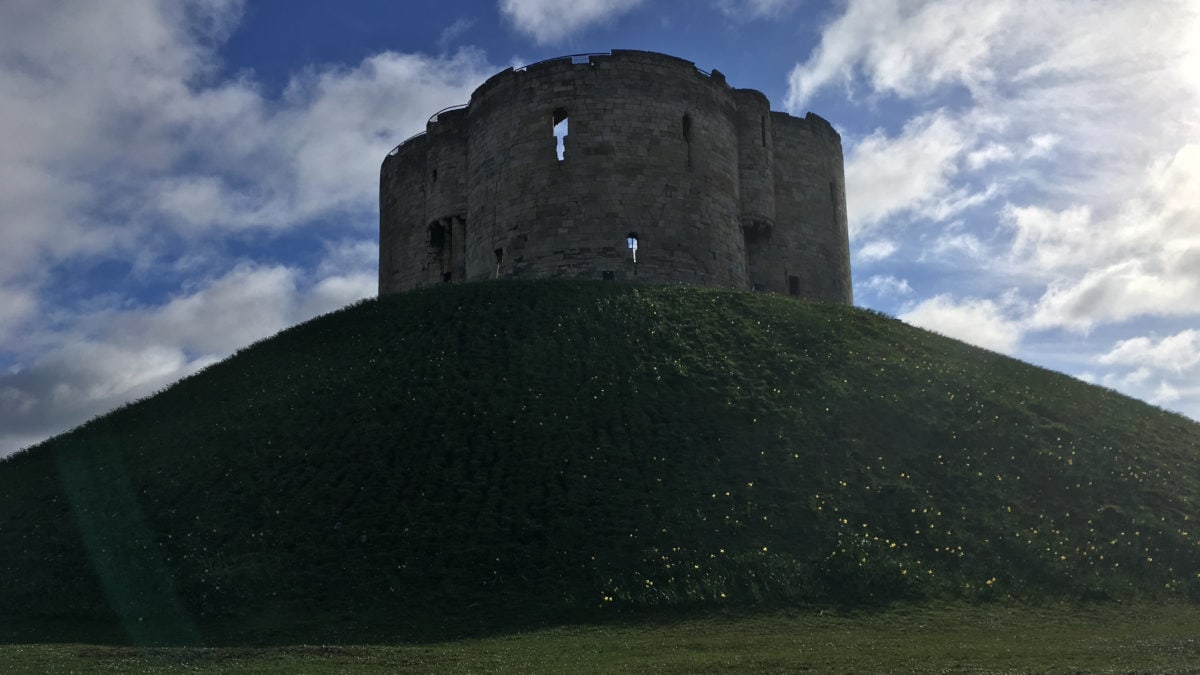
{"x":929,"y":638}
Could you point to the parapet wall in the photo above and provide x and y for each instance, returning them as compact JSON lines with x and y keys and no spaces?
{"x":718,"y":189}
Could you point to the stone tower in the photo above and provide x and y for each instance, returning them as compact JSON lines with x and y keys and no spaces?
{"x":716,"y":188}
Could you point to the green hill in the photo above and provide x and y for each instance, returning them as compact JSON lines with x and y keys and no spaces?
{"x":498,"y":455}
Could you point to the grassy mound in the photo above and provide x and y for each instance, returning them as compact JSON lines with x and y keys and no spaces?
{"x":515,"y":453}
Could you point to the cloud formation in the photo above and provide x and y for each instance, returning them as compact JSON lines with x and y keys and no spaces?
{"x":123,"y":143}
{"x":978,"y":321}
{"x":103,"y":101}
{"x":1062,"y":159}
{"x":553,"y":21}
{"x":908,"y":172}
{"x":755,"y":9}
{"x":103,"y":358}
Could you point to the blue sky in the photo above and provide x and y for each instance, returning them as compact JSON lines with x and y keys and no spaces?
{"x":182,"y":178}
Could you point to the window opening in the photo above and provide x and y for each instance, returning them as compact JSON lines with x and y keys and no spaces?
{"x":608,"y":275}
{"x":762,"y":120}
{"x":631,"y":240}
{"x":560,"y":132}
{"x":794,"y":285}
{"x":435,"y":175}
{"x":446,"y":277}
{"x":499,"y":260}
{"x":437,"y":235}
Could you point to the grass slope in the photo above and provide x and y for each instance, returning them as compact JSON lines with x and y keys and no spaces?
{"x":498,"y":455}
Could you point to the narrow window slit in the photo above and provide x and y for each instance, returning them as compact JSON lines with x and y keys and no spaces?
{"x":560,"y":132}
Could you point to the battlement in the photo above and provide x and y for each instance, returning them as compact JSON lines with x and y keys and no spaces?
{"x":560,"y":168}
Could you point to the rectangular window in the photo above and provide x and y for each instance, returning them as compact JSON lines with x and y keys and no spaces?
{"x":794,"y":285}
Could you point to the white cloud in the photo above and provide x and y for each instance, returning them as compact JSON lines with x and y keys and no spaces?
{"x":1051,"y":240}
{"x":1084,"y":116}
{"x":953,"y":246}
{"x":16,"y":306}
{"x":993,"y":152}
{"x":454,"y":31}
{"x":1165,"y":394}
{"x":79,"y":380}
{"x":1142,"y":259}
{"x":552,"y":21}
{"x":1114,"y":294}
{"x":889,"y":175}
{"x":755,"y":9}
{"x":1056,"y":84}
{"x":109,"y":356}
{"x":1041,"y":145}
{"x":1173,"y":354}
{"x":121,"y":141}
{"x":980,"y":322}
{"x":884,"y":286}
{"x":876,"y":250}
{"x":246,"y":304}
{"x":910,"y":49}
{"x":116,"y":130}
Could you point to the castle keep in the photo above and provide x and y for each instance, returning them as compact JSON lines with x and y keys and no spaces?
{"x":708,"y":183}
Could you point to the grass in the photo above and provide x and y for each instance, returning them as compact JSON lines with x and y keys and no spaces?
{"x":507,"y":456}
{"x":924,"y":638}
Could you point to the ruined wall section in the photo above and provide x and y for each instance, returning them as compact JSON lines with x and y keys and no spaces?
{"x":423,"y":207}
{"x":807,"y":252}
{"x":651,"y":149}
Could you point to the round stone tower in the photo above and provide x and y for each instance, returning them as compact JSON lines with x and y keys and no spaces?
{"x":629,"y":166}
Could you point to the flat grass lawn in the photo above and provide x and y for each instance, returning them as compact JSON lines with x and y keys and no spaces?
{"x":932,"y":638}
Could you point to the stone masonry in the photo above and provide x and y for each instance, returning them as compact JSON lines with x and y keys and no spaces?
{"x":717,"y":189}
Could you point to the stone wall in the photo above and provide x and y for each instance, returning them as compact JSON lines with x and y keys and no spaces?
{"x":706,"y":176}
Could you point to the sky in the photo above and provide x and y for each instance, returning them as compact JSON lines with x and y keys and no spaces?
{"x":181,"y":178}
